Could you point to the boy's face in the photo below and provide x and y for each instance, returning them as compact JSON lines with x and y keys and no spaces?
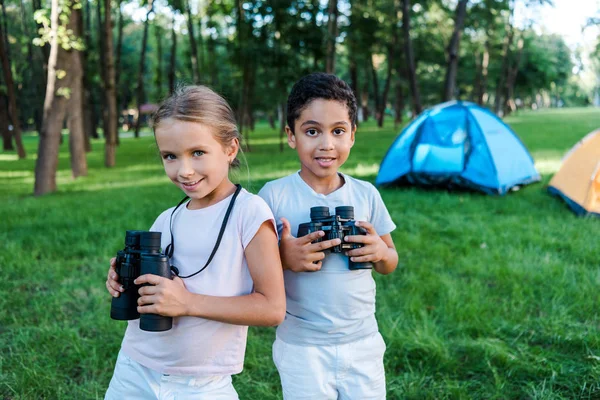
{"x":323,"y":138}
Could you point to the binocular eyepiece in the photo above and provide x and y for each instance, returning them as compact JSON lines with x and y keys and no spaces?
{"x":140,"y":256}
{"x":340,"y":225}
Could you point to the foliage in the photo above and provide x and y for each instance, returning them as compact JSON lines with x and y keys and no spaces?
{"x":495,"y":297}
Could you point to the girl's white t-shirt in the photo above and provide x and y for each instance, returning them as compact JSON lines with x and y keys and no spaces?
{"x":197,"y":346}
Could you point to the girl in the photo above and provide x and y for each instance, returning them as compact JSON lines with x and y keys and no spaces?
{"x":198,"y":140}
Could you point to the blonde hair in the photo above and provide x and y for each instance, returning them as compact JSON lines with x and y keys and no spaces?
{"x":202,"y":105}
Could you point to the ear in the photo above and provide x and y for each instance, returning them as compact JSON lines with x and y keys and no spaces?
{"x":291,"y":137}
{"x":352,"y":135}
{"x":233,"y":148}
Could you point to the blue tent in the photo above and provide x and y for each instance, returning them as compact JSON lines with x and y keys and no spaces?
{"x":458,"y":144}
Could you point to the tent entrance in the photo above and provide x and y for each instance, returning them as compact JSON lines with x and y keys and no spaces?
{"x":442,"y":144}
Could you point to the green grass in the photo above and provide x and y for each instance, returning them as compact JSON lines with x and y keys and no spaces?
{"x":494,"y":298}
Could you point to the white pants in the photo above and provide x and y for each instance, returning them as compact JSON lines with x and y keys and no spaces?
{"x":347,"y":371}
{"x":132,"y":380}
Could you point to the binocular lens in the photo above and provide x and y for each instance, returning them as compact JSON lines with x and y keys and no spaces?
{"x":346,"y":212}
{"x":132,"y":238}
{"x":317,"y":213}
{"x":150,"y":241}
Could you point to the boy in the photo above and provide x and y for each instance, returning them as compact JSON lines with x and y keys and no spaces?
{"x":328,"y":346}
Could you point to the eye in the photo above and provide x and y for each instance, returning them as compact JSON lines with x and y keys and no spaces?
{"x":168,"y":157}
{"x":312,"y":132}
{"x":338,"y":131}
{"x":197,"y":153}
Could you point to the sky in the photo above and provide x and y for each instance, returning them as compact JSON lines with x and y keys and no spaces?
{"x":566,"y":18}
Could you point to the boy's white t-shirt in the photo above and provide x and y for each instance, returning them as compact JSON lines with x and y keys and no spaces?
{"x":197,"y":346}
{"x":333,"y":305}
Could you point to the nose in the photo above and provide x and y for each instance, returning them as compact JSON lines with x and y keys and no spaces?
{"x":327,"y":142}
{"x":185,"y":168}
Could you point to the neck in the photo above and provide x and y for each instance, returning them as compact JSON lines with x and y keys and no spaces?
{"x":224,"y":190}
{"x":324,"y":185}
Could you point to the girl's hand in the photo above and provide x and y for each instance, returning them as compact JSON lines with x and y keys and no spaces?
{"x":374,"y":248}
{"x":165,"y":297}
{"x":112,"y":284}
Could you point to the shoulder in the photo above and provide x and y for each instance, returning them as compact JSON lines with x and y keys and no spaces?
{"x":251,"y":203}
{"x":361,"y":186}
{"x":162,"y":219}
{"x":272,"y":192}
{"x":277,"y":184}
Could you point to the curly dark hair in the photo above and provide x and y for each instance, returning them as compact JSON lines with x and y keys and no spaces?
{"x":319,"y":86}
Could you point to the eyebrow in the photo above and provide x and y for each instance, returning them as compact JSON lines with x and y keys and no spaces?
{"x":193,"y":148}
{"x":311,"y":122}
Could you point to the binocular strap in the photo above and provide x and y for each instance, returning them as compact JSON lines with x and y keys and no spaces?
{"x":171,"y":247}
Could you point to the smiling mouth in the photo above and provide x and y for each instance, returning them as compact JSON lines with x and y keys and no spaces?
{"x":190,"y":184}
{"x":325,"y":159}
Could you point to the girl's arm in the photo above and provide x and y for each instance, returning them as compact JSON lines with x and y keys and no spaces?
{"x":263,"y":307}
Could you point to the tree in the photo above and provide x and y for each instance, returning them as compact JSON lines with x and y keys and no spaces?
{"x":410,"y":59}
{"x":61,"y":64}
{"x":332,"y":33}
{"x":12,"y":96}
{"x":140,"y":82}
{"x":75,"y":121}
{"x":453,"y":47}
{"x":110,"y":135}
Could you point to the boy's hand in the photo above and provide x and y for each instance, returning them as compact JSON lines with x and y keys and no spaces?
{"x":112,"y":284}
{"x":374,"y":248}
{"x":300,"y":254}
{"x":165,"y":297}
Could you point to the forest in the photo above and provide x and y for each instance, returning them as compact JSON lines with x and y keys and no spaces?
{"x":89,"y":68}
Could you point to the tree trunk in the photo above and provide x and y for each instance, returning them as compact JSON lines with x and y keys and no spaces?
{"x":140,"y":83}
{"x":4,"y":28}
{"x":87,"y":103}
{"x":483,"y":76}
{"x":173,"y":54}
{"x":410,"y":59}
{"x":453,"y":49}
{"x":503,"y":71}
{"x":118,"y":81}
{"x":7,"y":143}
{"x":33,"y":73}
{"x":193,"y":48}
{"x":509,"y":105}
{"x":388,"y":79}
{"x":12,"y":96}
{"x":91,"y":117}
{"x":102,"y":47}
{"x":375,"y":87}
{"x":75,"y":117}
{"x":159,"y":62}
{"x":364,"y":101}
{"x":398,"y":104}
{"x":55,"y":107}
{"x":110,"y":136}
{"x":332,"y":33}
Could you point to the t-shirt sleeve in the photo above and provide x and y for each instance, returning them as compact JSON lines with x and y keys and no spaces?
{"x":256,"y":211}
{"x":380,"y":217}
{"x":159,"y":223}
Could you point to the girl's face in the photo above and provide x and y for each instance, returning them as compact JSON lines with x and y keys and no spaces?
{"x":195,"y":161}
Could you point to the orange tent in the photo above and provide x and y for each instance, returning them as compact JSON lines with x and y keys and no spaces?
{"x":577,"y":181}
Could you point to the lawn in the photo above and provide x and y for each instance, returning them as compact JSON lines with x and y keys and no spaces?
{"x":494,"y":297}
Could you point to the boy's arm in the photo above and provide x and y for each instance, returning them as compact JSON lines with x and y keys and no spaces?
{"x":389,"y":262}
{"x":379,"y":250}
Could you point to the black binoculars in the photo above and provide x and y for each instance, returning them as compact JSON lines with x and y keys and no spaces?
{"x":140,"y":256}
{"x":340,"y":225}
